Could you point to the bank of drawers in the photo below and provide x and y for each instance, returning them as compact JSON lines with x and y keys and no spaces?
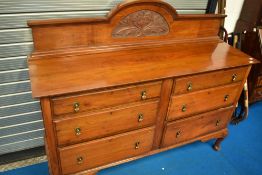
{"x":101,"y":127}
{"x":98,"y":128}
{"x":201,"y":104}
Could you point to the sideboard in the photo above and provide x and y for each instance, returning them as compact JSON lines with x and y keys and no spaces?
{"x":140,"y":81}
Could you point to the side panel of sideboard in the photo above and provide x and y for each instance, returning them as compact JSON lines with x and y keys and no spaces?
{"x":50,"y":141}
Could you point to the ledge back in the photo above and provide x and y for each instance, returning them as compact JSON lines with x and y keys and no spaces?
{"x":131,"y":22}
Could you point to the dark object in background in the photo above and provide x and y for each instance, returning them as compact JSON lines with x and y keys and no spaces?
{"x":211,"y":6}
{"x":247,"y":28}
{"x":250,"y":17}
{"x":22,"y":155}
{"x":248,"y":38}
{"x":251,"y":44}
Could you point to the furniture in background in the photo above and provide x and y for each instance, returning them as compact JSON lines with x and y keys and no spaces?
{"x":250,"y":39}
{"x":251,"y":44}
{"x":250,"y":16}
{"x":140,"y":81}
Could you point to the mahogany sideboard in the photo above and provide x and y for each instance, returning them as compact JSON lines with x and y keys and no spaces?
{"x":140,"y":81}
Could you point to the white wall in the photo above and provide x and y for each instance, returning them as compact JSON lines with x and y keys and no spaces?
{"x":233,"y":9}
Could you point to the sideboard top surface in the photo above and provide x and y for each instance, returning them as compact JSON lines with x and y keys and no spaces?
{"x":59,"y":75}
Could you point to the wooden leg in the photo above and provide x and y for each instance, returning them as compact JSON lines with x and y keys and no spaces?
{"x":217,"y":144}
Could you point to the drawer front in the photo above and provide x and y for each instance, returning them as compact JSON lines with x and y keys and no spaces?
{"x":190,"y":128}
{"x":100,"y":152}
{"x":91,"y":126}
{"x":201,"y":101}
{"x":208,"y":80}
{"x":107,"y":98}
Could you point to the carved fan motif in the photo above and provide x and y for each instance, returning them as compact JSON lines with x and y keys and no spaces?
{"x":141,"y":23}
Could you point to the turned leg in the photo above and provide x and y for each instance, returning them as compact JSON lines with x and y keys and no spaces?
{"x":217,"y":144}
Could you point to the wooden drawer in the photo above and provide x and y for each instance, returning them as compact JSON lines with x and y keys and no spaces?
{"x":105,"y":123}
{"x":208,"y":80}
{"x":201,"y":101}
{"x":100,"y":152}
{"x":106,"y":98}
{"x":185,"y":129}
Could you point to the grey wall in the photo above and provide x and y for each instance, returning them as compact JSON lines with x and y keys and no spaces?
{"x":21,"y":124}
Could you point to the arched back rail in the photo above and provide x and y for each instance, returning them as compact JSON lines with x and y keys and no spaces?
{"x":130,"y":23}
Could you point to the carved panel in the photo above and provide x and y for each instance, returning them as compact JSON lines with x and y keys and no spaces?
{"x":141,"y":23}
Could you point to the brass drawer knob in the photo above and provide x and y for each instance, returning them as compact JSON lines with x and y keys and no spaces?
{"x":190,"y":87}
{"x":137,"y":144}
{"x":218,"y":122}
{"x":77,"y":131}
{"x":76,"y":106}
{"x":143,"y":95}
{"x":226,"y":97}
{"x":183,"y":108}
{"x":178,"y":134}
{"x":140,"y":117}
{"x":79,"y":160}
{"x":234,"y":77}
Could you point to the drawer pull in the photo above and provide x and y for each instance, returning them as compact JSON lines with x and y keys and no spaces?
{"x":226,"y":97}
{"x":218,"y":122}
{"x":234,"y":77}
{"x":178,"y":134}
{"x":183,"y":108}
{"x":140,"y":117}
{"x":76,"y":106}
{"x":79,"y":160}
{"x":190,"y":87}
{"x":78,"y":131}
{"x":143,"y":95}
{"x":137,"y":144}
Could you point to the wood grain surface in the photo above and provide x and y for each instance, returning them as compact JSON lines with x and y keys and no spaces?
{"x":208,"y":80}
{"x":106,"y":123}
{"x":51,"y":35}
{"x":189,"y":128}
{"x":83,"y":72}
{"x":201,"y":101}
{"x":106,"y":98}
{"x":104,"y":151}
